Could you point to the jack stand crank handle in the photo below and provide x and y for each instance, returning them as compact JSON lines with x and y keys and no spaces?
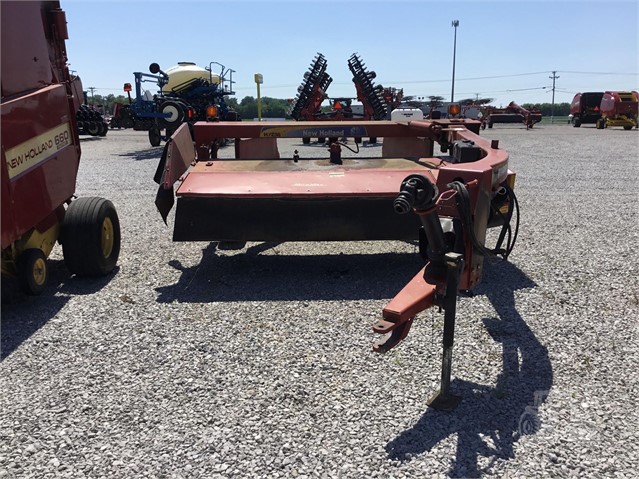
{"x":444,"y":400}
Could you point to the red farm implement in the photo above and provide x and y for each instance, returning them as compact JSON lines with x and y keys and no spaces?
{"x":377,"y":101}
{"x":446,"y":201}
{"x":513,"y":113}
{"x":619,"y":108}
{"x":41,"y":155}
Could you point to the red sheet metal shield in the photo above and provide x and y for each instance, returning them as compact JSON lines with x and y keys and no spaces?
{"x":177,"y":156}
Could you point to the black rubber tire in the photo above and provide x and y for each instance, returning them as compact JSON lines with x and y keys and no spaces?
{"x":372,"y":140}
{"x":306,"y":140}
{"x":490,"y":125}
{"x":32,"y":271}
{"x":177,"y":113}
{"x":93,"y":128}
{"x":529,"y":423}
{"x":576,"y":122}
{"x":104,"y":128}
{"x":627,"y":127}
{"x":90,"y":237}
{"x":155,"y":138}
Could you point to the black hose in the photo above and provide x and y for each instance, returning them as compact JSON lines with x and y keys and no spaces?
{"x":463,"y":206}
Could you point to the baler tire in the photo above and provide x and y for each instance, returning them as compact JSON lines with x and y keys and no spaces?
{"x":576,"y":122}
{"x":90,"y":237}
{"x":31,"y":268}
{"x":155,"y":137}
{"x":627,"y":127}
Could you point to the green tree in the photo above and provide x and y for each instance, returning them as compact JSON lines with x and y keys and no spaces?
{"x":248,"y":108}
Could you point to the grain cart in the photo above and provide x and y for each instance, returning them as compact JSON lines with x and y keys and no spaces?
{"x":618,"y":108}
{"x":584,"y":108}
{"x":41,"y":155}
{"x":454,"y":195}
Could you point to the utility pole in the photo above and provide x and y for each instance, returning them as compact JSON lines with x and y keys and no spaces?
{"x":455,"y":24}
{"x":552,"y":106}
{"x":92,"y":89}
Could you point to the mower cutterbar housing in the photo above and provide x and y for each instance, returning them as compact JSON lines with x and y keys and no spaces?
{"x":260,"y":196}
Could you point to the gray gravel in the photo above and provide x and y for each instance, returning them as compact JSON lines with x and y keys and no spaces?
{"x":190,"y":362}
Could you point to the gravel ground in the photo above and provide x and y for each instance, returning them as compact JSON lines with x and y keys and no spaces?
{"x":192,"y":362}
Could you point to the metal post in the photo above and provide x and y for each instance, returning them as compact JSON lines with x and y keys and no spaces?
{"x":231,"y":71}
{"x":452,"y":92}
{"x":258,"y":81}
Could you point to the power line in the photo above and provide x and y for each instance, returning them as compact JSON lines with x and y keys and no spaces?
{"x":471,"y":78}
{"x":405,"y":82}
{"x":486,"y":92}
{"x":526,"y":89}
{"x":595,"y":73}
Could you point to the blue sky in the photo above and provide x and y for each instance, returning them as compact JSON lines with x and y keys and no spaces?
{"x":592,"y":45}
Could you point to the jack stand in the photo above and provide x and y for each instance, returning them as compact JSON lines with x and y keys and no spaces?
{"x":336,"y":153}
{"x":444,"y":400}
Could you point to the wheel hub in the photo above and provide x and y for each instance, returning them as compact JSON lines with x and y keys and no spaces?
{"x":106,"y":241}
{"x":39,"y":272}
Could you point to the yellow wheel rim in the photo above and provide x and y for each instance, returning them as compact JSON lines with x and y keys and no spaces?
{"x":39,"y":271}
{"x":106,"y":241}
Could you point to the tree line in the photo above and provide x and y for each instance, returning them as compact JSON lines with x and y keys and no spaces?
{"x":278,"y":108}
{"x":546,"y":109}
{"x":247,"y":107}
